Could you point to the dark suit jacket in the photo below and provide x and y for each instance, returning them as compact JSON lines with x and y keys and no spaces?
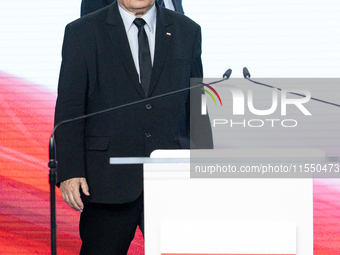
{"x":97,"y":73}
{"x":88,"y":6}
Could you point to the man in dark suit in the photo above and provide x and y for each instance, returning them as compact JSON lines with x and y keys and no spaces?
{"x":100,"y":69}
{"x":88,"y":6}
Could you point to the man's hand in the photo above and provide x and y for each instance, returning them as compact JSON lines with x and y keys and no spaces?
{"x":70,"y":190}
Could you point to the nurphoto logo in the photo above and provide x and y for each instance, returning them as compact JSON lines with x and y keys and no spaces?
{"x":279,"y":99}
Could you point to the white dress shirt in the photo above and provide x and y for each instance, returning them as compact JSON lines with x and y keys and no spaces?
{"x":132,"y":32}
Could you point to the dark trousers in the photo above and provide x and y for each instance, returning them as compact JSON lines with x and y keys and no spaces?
{"x":108,"y":229}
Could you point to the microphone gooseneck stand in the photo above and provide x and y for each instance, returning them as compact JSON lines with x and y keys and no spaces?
{"x":246,"y":75}
{"x":53,"y":164}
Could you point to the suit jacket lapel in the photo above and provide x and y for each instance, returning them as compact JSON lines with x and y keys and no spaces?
{"x":164,"y":32}
{"x":117,"y":33}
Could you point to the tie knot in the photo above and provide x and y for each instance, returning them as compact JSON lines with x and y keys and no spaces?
{"x":139,"y":22}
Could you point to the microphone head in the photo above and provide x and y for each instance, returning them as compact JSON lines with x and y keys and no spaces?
{"x":246,"y":73}
{"x":227,"y":74}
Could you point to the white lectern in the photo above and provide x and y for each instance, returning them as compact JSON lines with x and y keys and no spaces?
{"x":186,"y":215}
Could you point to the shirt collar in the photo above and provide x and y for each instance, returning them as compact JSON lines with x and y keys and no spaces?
{"x":149,"y":17}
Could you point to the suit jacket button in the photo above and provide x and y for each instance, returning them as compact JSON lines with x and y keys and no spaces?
{"x":147,"y":135}
{"x":148,"y":106}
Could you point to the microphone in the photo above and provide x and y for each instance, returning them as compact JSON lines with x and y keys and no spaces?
{"x":246,"y":75}
{"x":52,"y":164}
{"x":227,"y":74}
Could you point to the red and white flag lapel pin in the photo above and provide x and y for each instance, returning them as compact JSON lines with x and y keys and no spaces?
{"x":168,"y":33}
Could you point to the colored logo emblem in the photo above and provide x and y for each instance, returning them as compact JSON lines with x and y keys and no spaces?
{"x":204,"y":98}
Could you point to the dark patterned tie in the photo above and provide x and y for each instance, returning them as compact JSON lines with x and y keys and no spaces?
{"x":144,"y":56}
{"x":161,"y":3}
